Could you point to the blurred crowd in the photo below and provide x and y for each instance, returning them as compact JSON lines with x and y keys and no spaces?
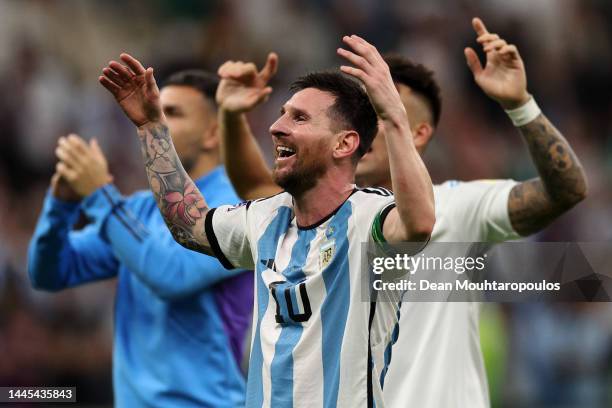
{"x":51,"y":53}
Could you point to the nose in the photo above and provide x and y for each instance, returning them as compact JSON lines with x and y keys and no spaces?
{"x":279,"y":128}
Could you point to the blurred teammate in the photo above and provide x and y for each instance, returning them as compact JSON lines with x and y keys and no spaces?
{"x":437,"y":360}
{"x":180,"y":318}
{"x":314,"y":338}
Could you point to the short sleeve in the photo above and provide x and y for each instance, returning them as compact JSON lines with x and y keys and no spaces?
{"x":228,"y":234}
{"x":483,"y":205}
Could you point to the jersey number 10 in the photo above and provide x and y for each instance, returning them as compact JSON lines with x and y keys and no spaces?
{"x":283,"y":290}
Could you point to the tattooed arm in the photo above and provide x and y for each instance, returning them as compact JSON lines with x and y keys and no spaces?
{"x":535,"y":203}
{"x":181,"y":204}
{"x":179,"y":200}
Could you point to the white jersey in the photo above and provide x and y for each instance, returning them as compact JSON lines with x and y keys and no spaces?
{"x":316,"y":342}
{"x":437,"y":361}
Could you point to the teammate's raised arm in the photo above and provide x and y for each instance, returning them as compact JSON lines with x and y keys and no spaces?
{"x":179,"y":200}
{"x":242,"y":88}
{"x":414,"y":216}
{"x":535,"y":203}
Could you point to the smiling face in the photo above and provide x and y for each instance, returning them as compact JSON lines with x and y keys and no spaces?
{"x":303,"y":140}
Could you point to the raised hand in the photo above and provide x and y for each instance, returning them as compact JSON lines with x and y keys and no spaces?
{"x":503,"y":77}
{"x":371,"y":69}
{"x":83,"y":166}
{"x":134,"y":89}
{"x":242,"y":87}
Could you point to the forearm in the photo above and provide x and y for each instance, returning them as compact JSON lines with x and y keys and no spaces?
{"x":181,"y":204}
{"x":45,"y":267}
{"x":411,"y":182}
{"x":561,"y":184}
{"x":243,"y":159}
{"x":59,"y":258}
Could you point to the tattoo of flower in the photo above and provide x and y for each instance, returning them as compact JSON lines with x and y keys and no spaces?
{"x":185,"y":205}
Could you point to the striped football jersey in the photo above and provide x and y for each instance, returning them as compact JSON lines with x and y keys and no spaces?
{"x":317,"y":342}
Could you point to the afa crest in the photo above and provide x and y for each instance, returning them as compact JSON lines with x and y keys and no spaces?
{"x":328,"y":250}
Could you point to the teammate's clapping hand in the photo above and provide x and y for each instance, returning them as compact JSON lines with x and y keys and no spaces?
{"x":242,"y":87}
{"x":83,"y":166}
{"x":134,"y":89}
{"x":371,"y":69}
{"x":503,"y":77}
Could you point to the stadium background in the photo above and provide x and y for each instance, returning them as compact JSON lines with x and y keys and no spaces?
{"x":51,"y":52}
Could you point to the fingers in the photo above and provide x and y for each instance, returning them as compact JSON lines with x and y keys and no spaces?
{"x":109,"y":85}
{"x":237,"y":70}
{"x":479,"y":26}
{"x":112,"y":75}
{"x":72,"y":150}
{"x":66,"y":172}
{"x":509,"y":50}
{"x":486,"y":38}
{"x":133,"y":63}
{"x":357,"y":73}
{"x":494,"y":45}
{"x":362,"y":48}
{"x":269,"y":70}
{"x":125,"y":74}
{"x":150,"y":80}
{"x":95,"y":148}
{"x":472,"y":60}
{"x":352,"y":58}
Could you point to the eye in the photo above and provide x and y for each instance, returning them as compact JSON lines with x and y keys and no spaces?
{"x":300,"y":117}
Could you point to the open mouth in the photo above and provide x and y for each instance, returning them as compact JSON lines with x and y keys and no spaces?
{"x":284,"y":152}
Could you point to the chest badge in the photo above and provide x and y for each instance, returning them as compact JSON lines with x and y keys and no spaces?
{"x":328,"y":250}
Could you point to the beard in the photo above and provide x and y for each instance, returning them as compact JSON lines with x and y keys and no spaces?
{"x":302,"y":177}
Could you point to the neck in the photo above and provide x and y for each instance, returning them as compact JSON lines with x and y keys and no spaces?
{"x":326,"y":196}
{"x":203,"y":165}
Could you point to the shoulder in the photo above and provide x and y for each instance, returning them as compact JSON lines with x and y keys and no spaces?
{"x":271,"y":203}
{"x":368,"y":202}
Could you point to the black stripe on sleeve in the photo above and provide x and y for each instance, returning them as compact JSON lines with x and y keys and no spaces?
{"x":127,"y":225}
{"x":384,"y":213}
{"x":212,"y":240}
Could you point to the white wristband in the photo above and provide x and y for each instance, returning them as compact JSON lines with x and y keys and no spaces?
{"x":524,"y":114}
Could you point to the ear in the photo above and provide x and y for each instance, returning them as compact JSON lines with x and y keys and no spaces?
{"x":210,"y":141}
{"x":347,"y":143}
{"x":422,"y":135}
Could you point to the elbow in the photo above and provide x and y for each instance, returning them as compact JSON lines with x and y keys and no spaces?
{"x":582,"y":191}
{"x":575,"y":195}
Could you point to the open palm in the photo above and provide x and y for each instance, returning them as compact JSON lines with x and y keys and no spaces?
{"x":134,"y":89}
{"x":503,"y":77}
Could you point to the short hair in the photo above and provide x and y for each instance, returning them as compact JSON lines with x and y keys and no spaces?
{"x":204,"y":82}
{"x":352,"y":106}
{"x":419,"y":79}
